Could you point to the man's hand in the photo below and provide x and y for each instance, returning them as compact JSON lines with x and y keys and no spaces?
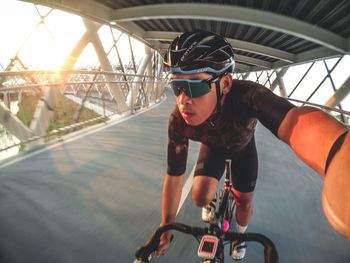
{"x":171,"y":194}
{"x":164,"y":244}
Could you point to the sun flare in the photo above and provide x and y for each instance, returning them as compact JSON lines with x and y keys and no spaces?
{"x":40,"y":43}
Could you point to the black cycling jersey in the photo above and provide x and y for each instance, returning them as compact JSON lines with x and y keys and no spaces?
{"x":229,"y":130}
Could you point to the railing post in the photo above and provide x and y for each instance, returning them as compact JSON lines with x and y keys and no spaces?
{"x":132,"y":99}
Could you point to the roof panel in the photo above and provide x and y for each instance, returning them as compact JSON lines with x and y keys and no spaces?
{"x":319,"y":28}
{"x":230,"y":30}
{"x":321,"y":13}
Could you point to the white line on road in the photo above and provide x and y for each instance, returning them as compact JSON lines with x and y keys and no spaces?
{"x":186,"y":189}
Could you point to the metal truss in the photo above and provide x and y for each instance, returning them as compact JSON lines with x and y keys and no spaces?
{"x":89,"y":89}
{"x":275,"y":78}
{"x":115,"y":87}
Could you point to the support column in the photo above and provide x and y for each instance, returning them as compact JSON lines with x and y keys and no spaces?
{"x":20,"y":96}
{"x":114,"y":88}
{"x":245,"y":76}
{"x":274,"y":84}
{"x":45,"y":110}
{"x":280,"y":75}
{"x":76,"y":52}
{"x":337,"y":97}
{"x":160,"y":81}
{"x":149,"y":86}
{"x":136,"y":85}
{"x":280,"y":80}
{"x":7,"y":100}
{"x":14,"y":125}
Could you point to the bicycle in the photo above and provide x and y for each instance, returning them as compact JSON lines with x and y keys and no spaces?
{"x":214,"y":238}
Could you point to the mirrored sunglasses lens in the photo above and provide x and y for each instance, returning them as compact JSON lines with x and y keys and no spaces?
{"x":199,"y":89}
{"x":179,"y":86}
{"x":176,"y":90}
{"x":192,"y":88}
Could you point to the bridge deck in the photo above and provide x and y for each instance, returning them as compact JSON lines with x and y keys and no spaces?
{"x":95,"y":198}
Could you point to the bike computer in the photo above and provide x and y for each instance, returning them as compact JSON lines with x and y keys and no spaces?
{"x":208,"y":246}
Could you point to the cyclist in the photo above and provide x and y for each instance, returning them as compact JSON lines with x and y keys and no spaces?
{"x":222,"y":113}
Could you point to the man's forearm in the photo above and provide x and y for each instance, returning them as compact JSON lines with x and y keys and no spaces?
{"x":171,"y":195}
{"x":336,"y":190}
{"x":312,"y":133}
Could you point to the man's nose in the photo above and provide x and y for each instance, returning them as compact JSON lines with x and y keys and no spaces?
{"x":184,"y":98}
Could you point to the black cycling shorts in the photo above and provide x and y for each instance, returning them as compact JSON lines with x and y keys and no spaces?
{"x":244,"y":165}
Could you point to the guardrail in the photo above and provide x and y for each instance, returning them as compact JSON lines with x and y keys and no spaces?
{"x":106,"y":94}
{"x":101,"y":93}
{"x":328,"y":109}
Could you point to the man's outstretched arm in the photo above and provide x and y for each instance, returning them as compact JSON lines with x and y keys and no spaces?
{"x":311,"y":133}
{"x":171,"y":195}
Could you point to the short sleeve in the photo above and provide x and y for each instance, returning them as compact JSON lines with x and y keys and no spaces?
{"x":268,"y":108}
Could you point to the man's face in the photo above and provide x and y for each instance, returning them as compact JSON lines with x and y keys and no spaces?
{"x":196,"y":110}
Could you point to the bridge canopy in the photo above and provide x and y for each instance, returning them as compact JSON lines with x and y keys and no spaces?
{"x":266,"y":34}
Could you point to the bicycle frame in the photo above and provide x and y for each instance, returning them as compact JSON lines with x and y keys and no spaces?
{"x":218,"y":227}
{"x":225,"y":213}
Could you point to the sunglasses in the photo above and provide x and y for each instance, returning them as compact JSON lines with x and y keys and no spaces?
{"x":193,"y":88}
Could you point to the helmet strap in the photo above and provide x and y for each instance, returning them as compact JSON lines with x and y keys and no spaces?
{"x":218,"y":95}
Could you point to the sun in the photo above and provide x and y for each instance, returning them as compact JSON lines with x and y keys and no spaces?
{"x":40,"y":52}
{"x":42,"y":39}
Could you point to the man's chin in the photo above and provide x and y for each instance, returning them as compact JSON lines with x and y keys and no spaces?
{"x":193,"y":122}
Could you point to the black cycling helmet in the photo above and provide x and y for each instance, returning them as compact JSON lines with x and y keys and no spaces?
{"x":199,"y":51}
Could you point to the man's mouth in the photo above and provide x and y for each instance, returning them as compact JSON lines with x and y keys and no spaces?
{"x":187,"y":114}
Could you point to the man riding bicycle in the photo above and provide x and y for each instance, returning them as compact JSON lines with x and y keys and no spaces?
{"x":222,"y":113}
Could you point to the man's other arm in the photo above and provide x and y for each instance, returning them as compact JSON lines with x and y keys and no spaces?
{"x":311,"y":133}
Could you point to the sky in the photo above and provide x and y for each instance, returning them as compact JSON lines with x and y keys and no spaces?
{"x":51,"y":42}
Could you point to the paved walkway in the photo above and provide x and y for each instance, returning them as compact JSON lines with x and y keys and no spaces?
{"x":95,"y":198}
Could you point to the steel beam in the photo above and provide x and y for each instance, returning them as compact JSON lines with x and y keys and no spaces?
{"x":92,"y":29}
{"x":337,"y":97}
{"x":236,"y":44}
{"x":14,"y":125}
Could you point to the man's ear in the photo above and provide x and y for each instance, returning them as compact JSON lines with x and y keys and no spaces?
{"x":226,"y":83}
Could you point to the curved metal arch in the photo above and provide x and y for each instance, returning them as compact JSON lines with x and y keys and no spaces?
{"x":237,"y":44}
{"x":333,"y":44}
{"x":262,"y":64}
{"x":234,"y":14}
